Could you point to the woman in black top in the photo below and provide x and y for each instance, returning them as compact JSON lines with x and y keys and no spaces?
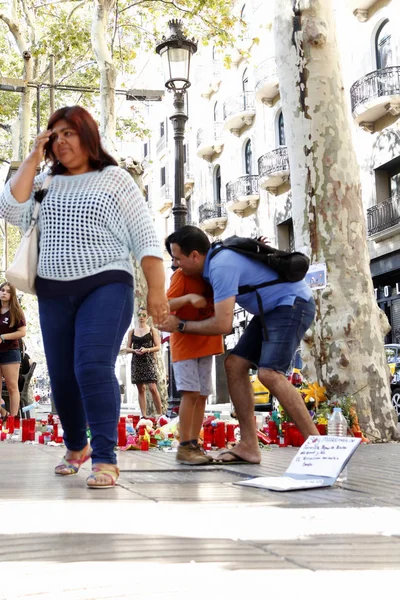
{"x":12,"y":329}
{"x":143,"y":341}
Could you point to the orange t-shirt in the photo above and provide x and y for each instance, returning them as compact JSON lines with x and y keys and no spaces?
{"x":187,"y":345}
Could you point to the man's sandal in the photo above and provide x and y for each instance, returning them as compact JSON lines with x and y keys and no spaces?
{"x":93,"y":481}
{"x":71,"y":466}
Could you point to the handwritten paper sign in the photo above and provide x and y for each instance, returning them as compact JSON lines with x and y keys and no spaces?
{"x":323,"y":456}
{"x":317,"y":463}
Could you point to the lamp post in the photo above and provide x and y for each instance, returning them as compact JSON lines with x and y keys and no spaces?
{"x":176,"y":52}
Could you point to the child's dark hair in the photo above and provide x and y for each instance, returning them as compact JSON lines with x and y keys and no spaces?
{"x":188,"y":238}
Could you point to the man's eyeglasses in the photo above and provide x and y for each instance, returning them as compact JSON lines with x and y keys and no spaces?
{"x":142,"y":315}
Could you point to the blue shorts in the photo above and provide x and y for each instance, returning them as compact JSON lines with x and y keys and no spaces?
{"x":10,"y":356}
{"x":286,"y":326}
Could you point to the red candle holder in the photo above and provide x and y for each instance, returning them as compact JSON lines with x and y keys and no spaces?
{"x":41,"y":439}
{"x":32,"y":428}
{"x":219,"y":435}
{"x":25,"y":430}
{"x":144,"y":445}
{"x":10,"y":424}
{"x":121,"y":433}
{"x":3,"y":436}
{"x":230,"y":432}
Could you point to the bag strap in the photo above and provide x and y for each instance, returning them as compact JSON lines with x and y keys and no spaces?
{"x":39,"y":196}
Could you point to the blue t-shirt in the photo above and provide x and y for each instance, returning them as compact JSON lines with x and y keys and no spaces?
{"x":228,"y":270}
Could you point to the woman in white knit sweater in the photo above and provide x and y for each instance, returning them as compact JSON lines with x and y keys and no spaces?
{"x":91,"y":219}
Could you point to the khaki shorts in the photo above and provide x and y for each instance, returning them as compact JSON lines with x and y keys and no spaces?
{"x":194,"y":375}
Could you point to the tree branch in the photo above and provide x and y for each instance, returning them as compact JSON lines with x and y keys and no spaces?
{"x":182,"y":10}
{"x":15,"y":31}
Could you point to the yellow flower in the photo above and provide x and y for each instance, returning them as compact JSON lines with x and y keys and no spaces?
{"x":314,"y":391}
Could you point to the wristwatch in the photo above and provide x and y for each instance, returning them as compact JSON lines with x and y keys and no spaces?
{"x":181,"y":326}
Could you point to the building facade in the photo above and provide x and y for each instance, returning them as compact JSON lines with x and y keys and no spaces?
{"x":237,"y":171}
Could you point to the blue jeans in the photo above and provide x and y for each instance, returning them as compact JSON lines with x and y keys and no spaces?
{"x":82,"y":337}
{"x":286,"y":326}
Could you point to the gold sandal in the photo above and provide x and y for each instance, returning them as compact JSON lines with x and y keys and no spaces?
{"x":97,"y":470}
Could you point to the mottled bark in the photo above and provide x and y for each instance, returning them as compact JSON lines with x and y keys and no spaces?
{"x":108,"y":72}
{"x":25,"y":109}
{"x":345,"y":347}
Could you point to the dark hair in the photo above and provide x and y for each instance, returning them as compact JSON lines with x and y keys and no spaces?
{"x":86,"y":127}
{"x":16,"y":312}
{"x":188,"y":238}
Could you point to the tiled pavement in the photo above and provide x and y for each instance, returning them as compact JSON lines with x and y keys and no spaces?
{"x":169,"y":531}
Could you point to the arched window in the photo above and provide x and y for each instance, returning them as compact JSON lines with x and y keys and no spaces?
{"x":216,"y":113}
{"x":217,"y":185}
{"x":248,"y":158}
{"x":281,"y":130}
{"x":383,"y":47}
{"x":245,"y":81}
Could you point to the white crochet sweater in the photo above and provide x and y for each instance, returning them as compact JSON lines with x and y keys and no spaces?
{"x":88,"y":223}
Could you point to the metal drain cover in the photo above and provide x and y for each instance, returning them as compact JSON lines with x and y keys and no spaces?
{"x":195,"y":475}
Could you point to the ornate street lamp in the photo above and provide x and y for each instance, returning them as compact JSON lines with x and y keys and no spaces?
{"x":176,"y":52}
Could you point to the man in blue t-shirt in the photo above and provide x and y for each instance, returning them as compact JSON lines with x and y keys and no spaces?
{"x":288,"y":311}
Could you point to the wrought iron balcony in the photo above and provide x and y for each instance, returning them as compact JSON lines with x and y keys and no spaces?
{"x":213,"y":218}
{"x":239,"y":112}
{"x":208,"y":78}
{"x":267,"y":83}
{"x":210,"y":142}
{"x":273,"y":169}
{"x":383,"y":215}
{"x":161,"y":145}
{"x":375,"y":95}
{"x":243,"y":195}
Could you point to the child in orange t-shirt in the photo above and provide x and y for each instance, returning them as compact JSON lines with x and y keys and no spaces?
{"x":191,"y":298}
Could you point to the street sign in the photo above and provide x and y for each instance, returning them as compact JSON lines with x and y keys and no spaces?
{"x":11,"y":84}
{"x":142,"y":95}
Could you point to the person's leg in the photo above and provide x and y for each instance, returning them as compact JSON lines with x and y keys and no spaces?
{"x":141,"y":388}
{"x":10,"y":373}
{"x":57,"y":322}
{"x":237,"y":364}
{"x":101,"y":322}
{"x":205,"y":364}
{"x":188,"y":384}
{"x":290,"y":399}
{"x":286,"y":328}
{"x":241,"y":393}
{"x":156,"y":397}
{"x":186,"y":414}
{"x":198,"y":417}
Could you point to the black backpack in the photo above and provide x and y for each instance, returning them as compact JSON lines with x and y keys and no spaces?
{"x":289,"y":266}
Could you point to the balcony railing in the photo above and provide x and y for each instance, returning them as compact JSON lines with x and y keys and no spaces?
{"x":205,"y":73}
{"x":239,"y":103}
{"x":242,"y":186}
{"x":384,"y":82}
{"x":384,"y":215}
{"x":211,"y":211}
{"x":161,"y":144}
{"x":273,"y":162}
{"x":266,"y":71}
{"x":212,"y":134}
{"x":165,"y":192}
